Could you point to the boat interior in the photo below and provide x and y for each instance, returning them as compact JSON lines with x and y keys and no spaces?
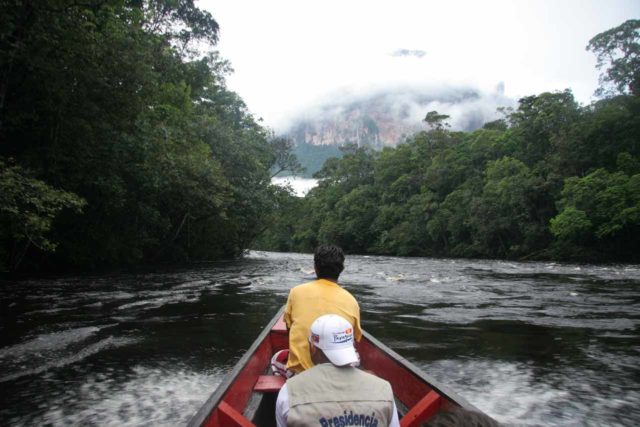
{"x":248,"y":395}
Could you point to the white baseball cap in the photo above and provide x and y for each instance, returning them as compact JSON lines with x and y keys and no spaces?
{"x":334,"y":336}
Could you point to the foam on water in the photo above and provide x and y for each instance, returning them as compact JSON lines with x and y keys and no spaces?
{"x":169,"y":298}
{"x":49,"y":342}
{"x":150,"y":396}
{"x":530,"y":343}
{"x":517,"y":395}
{"x":21,"y":367}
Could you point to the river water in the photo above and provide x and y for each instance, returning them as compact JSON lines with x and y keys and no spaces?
{"x":529,"y":343}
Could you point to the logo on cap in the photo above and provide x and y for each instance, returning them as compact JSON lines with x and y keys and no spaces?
{"x":342,"y":337}
{"x":334,"y":336}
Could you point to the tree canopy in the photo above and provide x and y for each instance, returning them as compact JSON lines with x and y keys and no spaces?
{"x":552,"y":179}
{"x":119,"y":141}
{"x":618,"y":49}
{"x":120,"y":144}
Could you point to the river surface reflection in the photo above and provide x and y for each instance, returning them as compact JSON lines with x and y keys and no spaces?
{"x":529,"y":343}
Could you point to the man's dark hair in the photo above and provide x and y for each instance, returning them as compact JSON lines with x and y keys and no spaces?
{"x":329,"y":261}
{"x":460,"y":417}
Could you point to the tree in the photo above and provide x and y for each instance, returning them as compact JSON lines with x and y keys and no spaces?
{"x":449,"y":169}
{"x":28,"y":208}
{"x":571,"y":225}
{"x":353,"y":217}
{"x":355,"y":168}
{"x":396,"y":173}
{"x":436,"y":121}
{"x":537,"y":119}
{"x":611,"y":126}
{"x":279,"y":229}
{"x":107,"y":100}
{"x":180,"y":22}
{"x":618,"y":49}
{"x":450,"y":227}
{"x":551,"y":179}
{"x":502,"y":215}
{"x":499,"y":124}
{"x":283,"y":157}
{"x":608,"y":205}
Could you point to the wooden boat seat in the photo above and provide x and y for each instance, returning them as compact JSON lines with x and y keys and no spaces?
{"x":427,"y":407}
{"x":230,"y":417}
{"x":269,"y":383}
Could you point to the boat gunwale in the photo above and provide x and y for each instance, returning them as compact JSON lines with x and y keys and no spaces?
{"x":443,"y":390}
{"x":206,"y":410}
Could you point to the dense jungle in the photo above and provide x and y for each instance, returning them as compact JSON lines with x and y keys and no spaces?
{"x":121,"y":145}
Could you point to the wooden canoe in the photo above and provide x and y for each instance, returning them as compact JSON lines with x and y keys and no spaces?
{"x":247,"y":395}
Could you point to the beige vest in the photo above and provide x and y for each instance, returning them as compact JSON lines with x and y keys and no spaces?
{"x":328,"y":396}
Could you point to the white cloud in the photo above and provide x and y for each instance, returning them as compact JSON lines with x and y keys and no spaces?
{"x":409,"y":52}
{"x":289,"y":54}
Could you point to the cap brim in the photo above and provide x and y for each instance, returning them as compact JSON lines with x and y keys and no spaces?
{"x":342,"y":356}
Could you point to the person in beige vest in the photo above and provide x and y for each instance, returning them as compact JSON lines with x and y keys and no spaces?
{"x":334,"y":392}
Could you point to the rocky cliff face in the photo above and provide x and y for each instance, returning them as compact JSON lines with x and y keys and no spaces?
{"x":387,"y":118}
{"x":361,"y":124}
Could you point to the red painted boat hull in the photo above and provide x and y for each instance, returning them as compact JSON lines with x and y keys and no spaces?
{"x":247,"y":395}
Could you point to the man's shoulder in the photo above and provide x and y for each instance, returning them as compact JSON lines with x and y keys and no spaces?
{"x":301,"y":287}
{"x":316,"y":287}
{"x":373,"y":378}
{"x":301,"y":377}
{"x":345,"y":294}
{"x":328,"y":367}
{"x":322,"y":373}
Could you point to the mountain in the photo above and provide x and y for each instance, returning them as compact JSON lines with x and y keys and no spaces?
{"x":387,"y":117}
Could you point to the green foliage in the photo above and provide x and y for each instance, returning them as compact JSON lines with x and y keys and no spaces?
{"x":278,"y":232}
{"x":538,"y":120}
{"x":550,"y":179}
{"x":436,"y":121}
{"x":501,"y":216}
{"x":28,"y":208}
{"x":571,"y":225}
{"x":285,"y":160}
{"x":553,"y":179}
{"x":628,"y":164}
{"x":178,"y":21}
{"x":499,"y":124}
{"x":619,"y":49}
{"x":450,"y":227}
{"x":355,"y":168}
{"x":610,"y":201}
{"x":610,"y":127}
{"x":350,"y":223}
{"x":108,"y":100}
{"x":312,"y":157}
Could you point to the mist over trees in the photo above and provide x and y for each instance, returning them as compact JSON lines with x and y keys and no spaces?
{"x":121,"y":145}
{"x":119,"y":141}
{"x":552,"y":179}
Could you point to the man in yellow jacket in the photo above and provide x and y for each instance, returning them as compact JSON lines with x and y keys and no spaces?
{"x":311,"y":300}
{"x":334,"y":393}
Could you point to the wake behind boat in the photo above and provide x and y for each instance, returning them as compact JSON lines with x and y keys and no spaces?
{"x":247,"y":395}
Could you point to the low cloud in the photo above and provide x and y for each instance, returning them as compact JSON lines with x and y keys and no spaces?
{"x":408,"y":52}
{"x":387,"y":115}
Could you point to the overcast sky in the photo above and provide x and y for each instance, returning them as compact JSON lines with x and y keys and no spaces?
{"x":289,"y":55}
